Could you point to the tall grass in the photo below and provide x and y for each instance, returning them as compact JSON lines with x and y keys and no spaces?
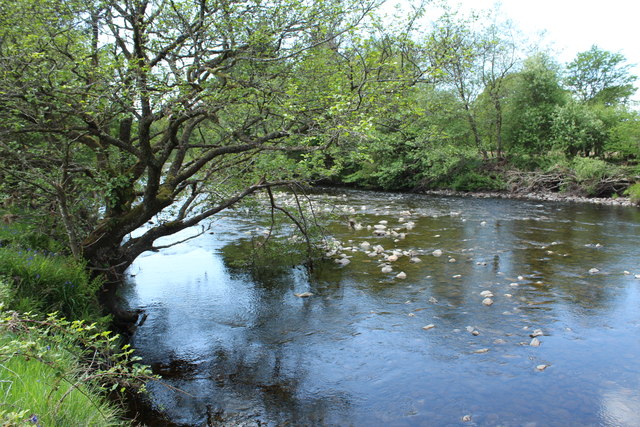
{"x":45,"y":282}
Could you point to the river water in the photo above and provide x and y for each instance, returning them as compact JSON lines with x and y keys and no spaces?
{"x":240,"y":348}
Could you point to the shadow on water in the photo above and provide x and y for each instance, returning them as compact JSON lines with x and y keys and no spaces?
{"x":238,"y":347}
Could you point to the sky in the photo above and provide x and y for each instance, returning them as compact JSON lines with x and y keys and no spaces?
{"x":573,"y":26}
{"x":570,"y":26}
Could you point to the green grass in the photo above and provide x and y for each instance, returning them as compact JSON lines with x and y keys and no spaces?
{"x":39,"y":386}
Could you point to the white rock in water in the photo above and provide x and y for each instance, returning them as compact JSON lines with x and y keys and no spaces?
{"x":508,"y":295}
{"x":430,"y":326}
{"x":415,"y":260}
{"x":542,"y":367}
{"x":483,"y":223}
{"x":456,"y":276}
{"x":466,"y":418}
{"x":487,"y":301}
{"x":401,"y":219}
{"x":383,"y":222}
{"x":378,"y":248}
{"x":401,"y":275}
{"x":387,"y":269}
{"x":380,"y":227}
{"x":637,"y":276}
{"x":514,"y":285}
{"x":452,"y":260}
{"x":365,"y":245}
{"x":626,"y":273}
{"x":437,"y":252}
{"x":480,"y":351}
{"x":486,"y":294}
{"x":392,"y":258}
{"x":594,"y":270}
{"x":520,"y":277}
{"x":433,"y":300}
{"x":536,"y":333}
{"x":475,"y":332}
{"x":535,"y":342}
{"x":304,"y":295}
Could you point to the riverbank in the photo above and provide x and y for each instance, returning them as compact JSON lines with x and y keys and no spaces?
{"x":59,"y":365}
{"x":539,"y":196}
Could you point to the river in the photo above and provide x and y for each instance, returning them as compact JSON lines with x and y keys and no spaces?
{"x":240,"y":348}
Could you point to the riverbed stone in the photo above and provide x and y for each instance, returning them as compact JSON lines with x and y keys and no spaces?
{"x":536,"y":333}
{"x":303,"y":295}
{"x":487,"y":301}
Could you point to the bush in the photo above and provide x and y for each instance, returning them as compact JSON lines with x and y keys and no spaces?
{"x":474,"y":181}
{"x":588,"y":169}
{"x":634,"y":193}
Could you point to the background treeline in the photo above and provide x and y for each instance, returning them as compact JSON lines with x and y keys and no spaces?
{"x":495,"y":115}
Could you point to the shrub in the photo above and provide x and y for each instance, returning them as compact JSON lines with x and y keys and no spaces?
{"x":474,"y":181}
{"x":634,"y":193}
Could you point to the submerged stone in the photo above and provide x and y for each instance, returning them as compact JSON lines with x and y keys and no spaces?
{"x":304,"y":295}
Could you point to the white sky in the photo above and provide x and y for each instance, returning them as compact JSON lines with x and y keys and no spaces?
{"x":573,"y":26}
{"x":570,"y":26}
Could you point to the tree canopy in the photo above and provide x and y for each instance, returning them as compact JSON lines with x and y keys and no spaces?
{"x":119,"y":111}
{"x":600,"y":76}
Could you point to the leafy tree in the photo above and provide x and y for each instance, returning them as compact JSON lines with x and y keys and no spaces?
{"x":624,"y":133}
{"x":576,"y":129}
{"x":600,"y":76}
{"x":172,"y":110}
{"x":454,"y":51}
{"x":535,"y":93}
{"x":498,"y":61}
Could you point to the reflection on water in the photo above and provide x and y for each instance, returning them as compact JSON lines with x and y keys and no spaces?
{"x":355,"y":353}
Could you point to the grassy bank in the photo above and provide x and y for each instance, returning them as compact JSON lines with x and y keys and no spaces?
{"x":59,"y":366}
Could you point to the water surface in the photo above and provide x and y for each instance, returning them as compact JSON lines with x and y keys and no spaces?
{"x":242,"y":346}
